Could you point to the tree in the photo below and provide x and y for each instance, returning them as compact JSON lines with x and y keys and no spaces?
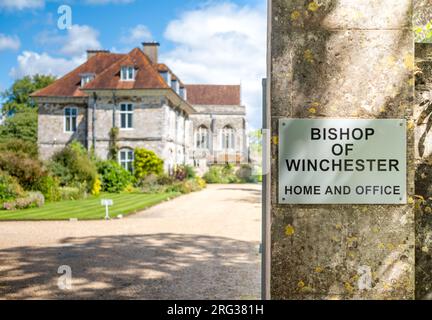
{"x":22,"y":125}
{"x":17,"y":97}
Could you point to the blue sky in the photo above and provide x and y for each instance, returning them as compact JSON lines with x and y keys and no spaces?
{"x":202,"y":41}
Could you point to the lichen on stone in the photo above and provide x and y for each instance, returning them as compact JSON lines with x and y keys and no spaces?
{"x":289,"y":230}
{"x":313,"y":6}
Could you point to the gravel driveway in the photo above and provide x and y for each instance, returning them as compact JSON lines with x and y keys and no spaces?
{"x":202,"y":245}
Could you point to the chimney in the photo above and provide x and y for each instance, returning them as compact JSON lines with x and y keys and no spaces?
{"x":91,"y":53}
{"x":151,"y":51}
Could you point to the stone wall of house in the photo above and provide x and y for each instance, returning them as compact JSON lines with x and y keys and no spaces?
{"x":175,"y":135}
{"x":51,"y":127}
{"x":215,"y":118}
{"x":341,"y":59}
{"x":156,"y":126}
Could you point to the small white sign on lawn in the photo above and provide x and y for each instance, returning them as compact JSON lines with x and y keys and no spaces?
{"x":107,"y":203}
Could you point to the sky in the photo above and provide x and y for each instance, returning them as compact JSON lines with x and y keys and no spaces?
{"x":206,"y":42}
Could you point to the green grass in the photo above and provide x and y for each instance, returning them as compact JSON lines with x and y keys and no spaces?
{"x":90,"y":208}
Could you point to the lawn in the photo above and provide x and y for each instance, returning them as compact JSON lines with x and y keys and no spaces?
{"x":90,"y":208}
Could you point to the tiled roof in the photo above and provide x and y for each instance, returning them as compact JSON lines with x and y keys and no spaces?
{"x":106,"y":67}
{"x":147,"y":77}
{"x":162,"y":67}
{"x":69,"y":85}
{"x":202,"y":94}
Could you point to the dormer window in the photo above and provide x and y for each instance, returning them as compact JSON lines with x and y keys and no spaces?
{"x":183,"y":93}
{"x":127,"y":73}
{"x":86,"y":78}
{"x":166,"y":76}
{"x":175,"y":86}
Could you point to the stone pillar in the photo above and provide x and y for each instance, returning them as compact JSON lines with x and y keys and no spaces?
{"x":341,"y":59}
{"x":423,"y":179}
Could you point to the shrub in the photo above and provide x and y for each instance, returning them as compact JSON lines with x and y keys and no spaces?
{"x":164,"y":179}
{"x":200,"y":182}
{"x":32,"y":200}
{"x":114,"y":178}
{"x":131,"y":189}
{"x":213,"y":175}
{"x":191,"y":173}
{"x":228,"y":169}
{"x":27,"y":171}
{"x":165,"y":183}
{"x":245,"y":174}
{"x":221,"y":174}
{"x":180,"y":173}
{"x":154,"y":184}
{"x":97,"y":185}
{"x":50,"y":188}
{"x":73,"y":166}
{"x":186,"y":186}
{"x":184,"y":172}
{"x":146,"y":162}
{"x":72,"y":193}
{"x":9,"y":187}
{"x":19,"y":146}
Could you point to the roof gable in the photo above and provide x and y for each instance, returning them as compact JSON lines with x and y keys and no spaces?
{"x":69,"y":85}
{"x":146,"y":75}
{"x":201,"y":94}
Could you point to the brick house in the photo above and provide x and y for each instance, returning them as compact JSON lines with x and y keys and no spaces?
{"x":151,"y":106}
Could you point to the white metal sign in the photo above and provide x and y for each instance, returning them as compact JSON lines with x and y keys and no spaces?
{"x":342,"y":161}
{"x":107,"y":203}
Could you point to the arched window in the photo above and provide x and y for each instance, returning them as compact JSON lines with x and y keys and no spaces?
{"x":202,"y":138}
{"x":126,"y":158}
{"x":228,"y":138}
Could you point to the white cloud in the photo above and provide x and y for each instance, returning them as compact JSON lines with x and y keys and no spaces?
{"x":9,"y":42}
{"x":72,"y":46}
{"x":30,"y":63}
{"x":137,"y":34}
{"x":222,"y":44}
{"x":80,"y":39}
{"x":21,"y":4}
{"x":75,"y":42}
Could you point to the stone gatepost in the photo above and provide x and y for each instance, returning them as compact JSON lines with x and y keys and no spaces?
{"x":341,"y":59}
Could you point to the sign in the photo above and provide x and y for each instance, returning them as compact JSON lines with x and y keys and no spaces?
{"x":107,"y":203}
{"x":337,"y":161}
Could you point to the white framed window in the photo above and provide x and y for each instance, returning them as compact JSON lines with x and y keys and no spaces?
{"x":166,"y":76}
{"x":126,"y":116}
{"x":86,"y":78}
{"x":70,"y":119}
{"x":227,"y":138}
{"x":127,"y":73}
{"x":202,"y":138}
{"x":183,"y":93}
{"x":126,"y":158}
{"x":175,"y":86}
